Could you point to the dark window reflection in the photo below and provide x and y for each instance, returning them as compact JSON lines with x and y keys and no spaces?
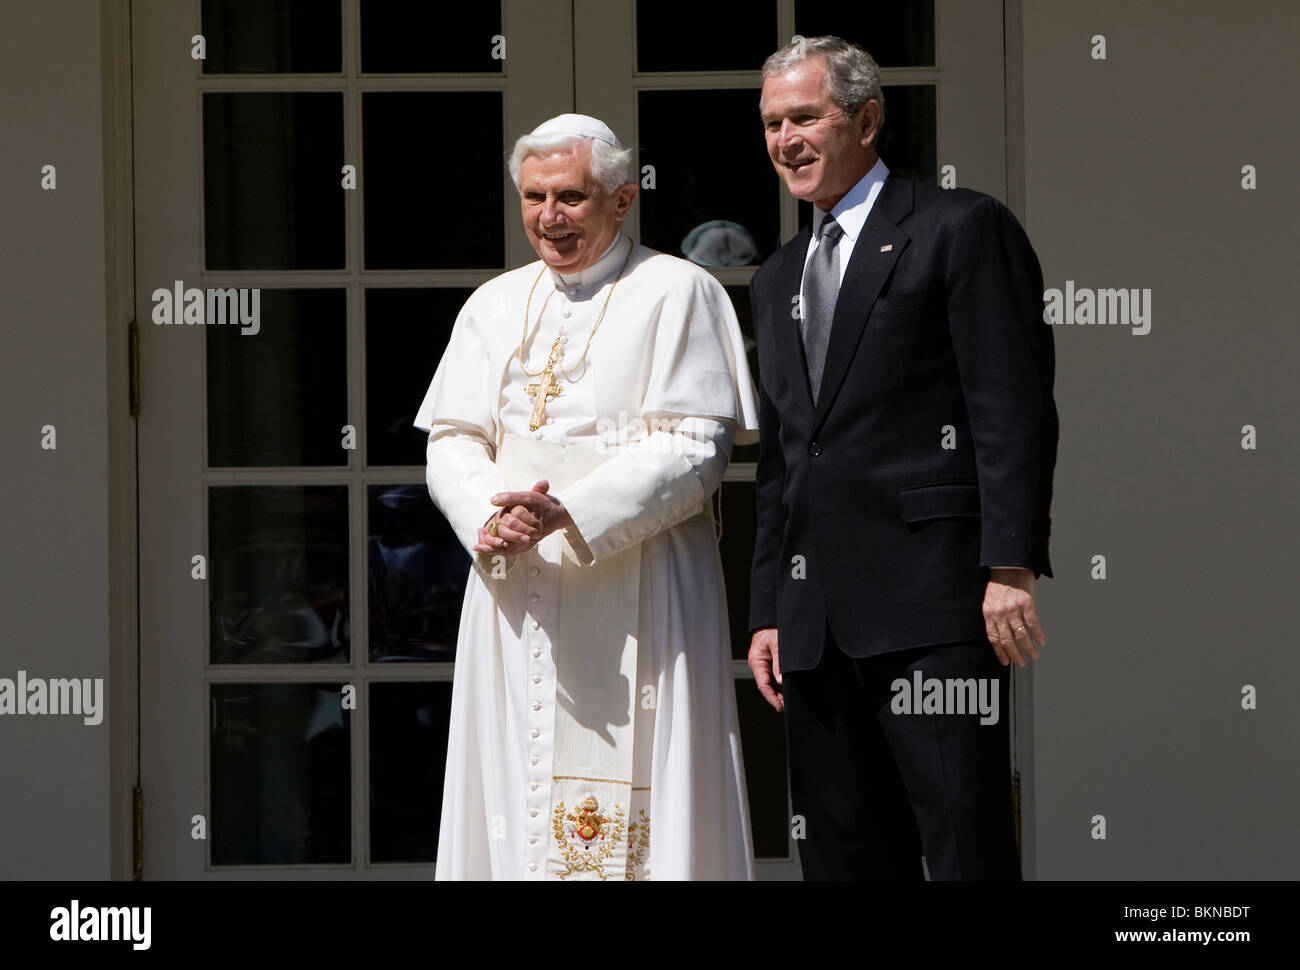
{"x":762,"y":736}
{"x":417,"y":575}
{"x":272,"y":180}
{"x":745,"y":315}
{"x":909,"y":139}
{"x":278,"y":573}
{"x":281,"y":775}
{"x":737,"y":551}
{"x":400,"y":37}
{"x":897,"y":33}
{"x":278,"y":397}
{"x":717,"y":39}
{"x":408,"y":754}
{"x":406,"y":336}
{"x":273,"y":36}
{"x":719,"y":214}
{"x":428,"y":206}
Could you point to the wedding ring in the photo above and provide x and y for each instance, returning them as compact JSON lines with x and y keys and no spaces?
{"x":492,"y":527}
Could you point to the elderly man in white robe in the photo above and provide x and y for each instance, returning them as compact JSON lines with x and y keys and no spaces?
{"x":579,"y":424}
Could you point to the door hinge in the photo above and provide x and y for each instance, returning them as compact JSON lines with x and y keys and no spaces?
{"x":137,"y":831}
{"x":133,"y":354}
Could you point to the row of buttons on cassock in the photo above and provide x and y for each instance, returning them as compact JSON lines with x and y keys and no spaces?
{"x":534,"y":760}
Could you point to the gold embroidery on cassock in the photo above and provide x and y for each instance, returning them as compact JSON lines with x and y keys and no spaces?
{"x":638,"y":843}
{"x":586,"y":837}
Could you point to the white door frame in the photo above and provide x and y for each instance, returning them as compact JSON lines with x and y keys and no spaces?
{"x":175,"y":675}
{"x":974,"y":93}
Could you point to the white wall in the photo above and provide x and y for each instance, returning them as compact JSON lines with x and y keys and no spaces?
{"x":54,"y":604}
{"x":1133,"y":179}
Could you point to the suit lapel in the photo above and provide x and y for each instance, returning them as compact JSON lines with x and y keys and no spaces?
{"x":874,"y":254}
{"x":789,"y":344}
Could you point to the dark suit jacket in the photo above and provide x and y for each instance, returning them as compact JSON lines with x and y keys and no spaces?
{"x":938,"y":332}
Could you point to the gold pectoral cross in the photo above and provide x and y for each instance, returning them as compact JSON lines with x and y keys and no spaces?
{"x":547,"y":388}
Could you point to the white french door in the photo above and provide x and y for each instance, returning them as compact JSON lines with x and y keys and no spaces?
{"x":295,"y":679}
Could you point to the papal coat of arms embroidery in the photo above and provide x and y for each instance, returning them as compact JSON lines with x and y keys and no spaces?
{"x":586,"y":836}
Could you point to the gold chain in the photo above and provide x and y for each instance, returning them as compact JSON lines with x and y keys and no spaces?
{"x":567,"y":372}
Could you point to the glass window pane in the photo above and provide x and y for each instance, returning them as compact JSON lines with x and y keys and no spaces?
{"x":406,"y":336}
{"x":281,"y":775}
{"x":716,"y":215}
{"x":408,"y":754}
{"x":718,"y":39}
{"x":737,"y":550}
{"x":273,"y":36}
{"x":279,"y":396}
{"x":909,"y":139}
{"x":272,"y":182}
{"x":428,"y":207}
{"x":762,"y":737}
{"x":278,"y":573}
{"x":400,"y":37}
{"x":745,"y":314}
{"x":417,"y":576}
{"x":897,"y":33}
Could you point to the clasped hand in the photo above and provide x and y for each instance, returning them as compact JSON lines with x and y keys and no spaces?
{"x":525,"y":519}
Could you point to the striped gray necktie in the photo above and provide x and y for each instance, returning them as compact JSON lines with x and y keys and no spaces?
{"x":821,"y":287}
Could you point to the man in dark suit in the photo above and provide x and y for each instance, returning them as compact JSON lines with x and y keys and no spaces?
{"x":904,"y":484}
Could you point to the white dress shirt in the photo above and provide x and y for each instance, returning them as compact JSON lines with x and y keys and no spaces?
{"x":851,"y":213}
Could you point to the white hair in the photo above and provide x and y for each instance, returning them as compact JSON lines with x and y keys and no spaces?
{"x":609,"y":165}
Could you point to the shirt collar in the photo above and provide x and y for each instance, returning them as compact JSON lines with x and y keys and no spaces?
{"x":603,"y":268}
{"x":851,"y":211}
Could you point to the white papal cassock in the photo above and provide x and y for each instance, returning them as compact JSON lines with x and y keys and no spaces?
{"x":593,"y":720}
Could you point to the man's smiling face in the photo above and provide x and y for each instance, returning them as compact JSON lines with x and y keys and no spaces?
{"x":819,"y":151}
{"x":570,"y":218}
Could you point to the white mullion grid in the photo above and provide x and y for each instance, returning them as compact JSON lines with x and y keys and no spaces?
{"x":789,"y":204}
{"x":398,"y":671}
{"x":357,"y":560}
{"x":731,"y":276}
{"x":427,"y":278}
{"x":299,"y":673}
{"x":938,"y":33}
{"x":740,"y":471}
{"x":255,"y":83}
{"x":695,"y":81}
{"x":367,"y":82}
{"x":740,"y":670}
{"x":205,"y":635}
{"x":361,"y":280}
{"x":395,"y":475}
{"x":430,"y":82}
{"x":291,"y":475}
{"x":355,"y":279}
{"x":271,"y":279}
{"x":339,"y":278}
{"x":784,"y":23}
{"x":908,"y":75}
{"x":332,"y":475}
{"x":919,"y":77}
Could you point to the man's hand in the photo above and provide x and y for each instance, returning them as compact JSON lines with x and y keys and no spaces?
{"x":1009,"y":617}
{"x":765,"y":662}
{"x":525,"y":519}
